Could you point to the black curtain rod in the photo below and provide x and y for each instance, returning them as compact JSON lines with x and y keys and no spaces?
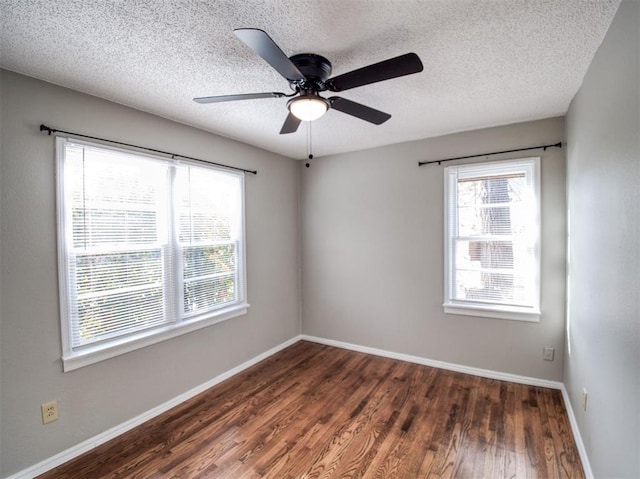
{"x":172,"y":155}
{"x":544,"y":147}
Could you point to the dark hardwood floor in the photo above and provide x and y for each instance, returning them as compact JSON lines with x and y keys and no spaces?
{"x":314,"y":411}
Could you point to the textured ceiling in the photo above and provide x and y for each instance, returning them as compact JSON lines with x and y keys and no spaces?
{"x":486,"y":62}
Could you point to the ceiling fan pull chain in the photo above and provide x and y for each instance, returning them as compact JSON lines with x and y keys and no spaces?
{"x":309,"y":154}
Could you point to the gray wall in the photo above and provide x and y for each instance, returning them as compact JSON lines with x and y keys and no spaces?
{"x":603,"y":177}
{"x":1,"y":222}
{"x":372,"y":254}
{"x":97,"y":397}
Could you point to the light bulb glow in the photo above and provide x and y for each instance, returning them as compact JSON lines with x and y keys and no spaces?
{"x":308,"y":108}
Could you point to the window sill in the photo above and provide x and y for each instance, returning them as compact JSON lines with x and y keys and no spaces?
{"x":93,"y":354}
{"x":495,"y":312}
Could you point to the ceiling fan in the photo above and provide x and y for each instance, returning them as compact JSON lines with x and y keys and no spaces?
{"x":308,"y":75}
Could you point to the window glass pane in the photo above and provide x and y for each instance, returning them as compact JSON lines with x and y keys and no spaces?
{"x":202,"y":261}
{"x":208,"y":293}
{"x":104,"y":272}
{"x":121,"y":312}
{"x":208,"y":204}
{"x":483,"y":190}
{"x":478,"y":255}
{"x":484,"y":221}
{"x":493,"y":287}
{"x":492,"y":205}
{"x":115,"y":198}
{"x":94,"y":227}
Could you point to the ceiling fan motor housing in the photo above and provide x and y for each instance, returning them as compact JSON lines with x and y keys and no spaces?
{"x":315,"y":68}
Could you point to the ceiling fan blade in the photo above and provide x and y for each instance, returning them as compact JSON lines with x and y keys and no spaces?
{"x":358,"y":110}
{"x":291,"y":124}
{"x":385,"y":70}
{"x":242,"y":96}
{"x":261,"y":43}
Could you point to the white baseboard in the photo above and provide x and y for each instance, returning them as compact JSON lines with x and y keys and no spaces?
{"x":485,"y":373}
{"x":576,"y":434}
{"x":96,"y":441}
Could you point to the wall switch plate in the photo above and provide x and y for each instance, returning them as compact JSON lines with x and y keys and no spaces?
{"x":548,"y":354}
{"x":49,"y":412}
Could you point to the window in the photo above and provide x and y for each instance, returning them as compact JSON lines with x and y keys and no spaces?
{"x":492,"y":239}
{"x":149,"y":248}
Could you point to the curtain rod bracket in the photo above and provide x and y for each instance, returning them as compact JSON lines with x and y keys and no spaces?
{"x":47,"y":129}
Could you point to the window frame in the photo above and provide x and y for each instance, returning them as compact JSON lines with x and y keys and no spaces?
{"x":179,"y":322}
{"x":531,"y":313}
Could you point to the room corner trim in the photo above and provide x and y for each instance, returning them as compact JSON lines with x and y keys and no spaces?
{"x":582,"y":450}
{"x":485,"y":373}
{"x":115,"y":431}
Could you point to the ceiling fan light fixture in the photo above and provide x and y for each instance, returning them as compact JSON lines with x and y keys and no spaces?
{"x":308,"y":107}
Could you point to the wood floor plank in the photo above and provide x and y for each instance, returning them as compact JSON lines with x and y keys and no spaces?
{"x":317,"y":412}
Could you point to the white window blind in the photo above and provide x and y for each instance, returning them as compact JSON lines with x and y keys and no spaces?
{"x":147,"y":246}
{"x":492,"y":239}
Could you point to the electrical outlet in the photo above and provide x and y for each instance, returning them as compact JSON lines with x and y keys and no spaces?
{"x":584,"y":399}
{"x":548,"y":354}
{"x":49,"y":412}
